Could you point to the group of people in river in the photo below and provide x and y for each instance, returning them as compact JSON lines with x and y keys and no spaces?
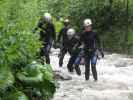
{"x":80,"y":45}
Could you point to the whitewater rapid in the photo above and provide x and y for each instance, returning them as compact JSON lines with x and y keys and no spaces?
{"x":115,"y":74}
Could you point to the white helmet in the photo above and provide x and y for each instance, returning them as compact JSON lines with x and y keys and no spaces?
{"x":66,"y":20}
{"x":87,"y":22}
{"x":70,"y":33}
{"x":47,"y":17}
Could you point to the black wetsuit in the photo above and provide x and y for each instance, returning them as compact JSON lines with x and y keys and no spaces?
{"x":91,"y":43}
{"x":64,"y":44}
{"x":47,"y":35}
{"x":69,"y":46}
{"x":63,"y":35}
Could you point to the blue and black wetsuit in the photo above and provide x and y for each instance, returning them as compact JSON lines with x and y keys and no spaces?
{"x":91,"y":43}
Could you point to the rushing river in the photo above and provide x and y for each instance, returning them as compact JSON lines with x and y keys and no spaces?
{"x":115,"y":73}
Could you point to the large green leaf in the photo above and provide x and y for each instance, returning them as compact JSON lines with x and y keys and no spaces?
{"x":18,"y":95}
{"x":36,"y":72}
{"x":24,"y":77}
{"x":6,"y":78}
{"x":38,"y":76}
{"x":48,"y":72}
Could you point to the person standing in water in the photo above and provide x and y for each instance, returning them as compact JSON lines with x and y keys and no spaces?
{"x":92,"y":43}
{"x":47,"y":35}
{"x":64,"y":41}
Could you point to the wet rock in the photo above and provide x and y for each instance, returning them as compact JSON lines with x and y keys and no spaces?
{"x":124,"y":63}
{"x":62,"y":76}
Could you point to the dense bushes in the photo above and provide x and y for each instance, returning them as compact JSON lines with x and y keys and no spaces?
{"x":17,"y":51}
{"x":16,"y":48}
{"x":20,"y":78}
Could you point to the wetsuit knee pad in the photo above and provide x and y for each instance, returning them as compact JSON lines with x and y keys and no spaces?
{"x":79,"y":57}
{"x":77,"y":61}
{"x":94,"y":60}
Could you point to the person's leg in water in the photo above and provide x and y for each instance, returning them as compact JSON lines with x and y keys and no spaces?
{"x":45,"y":55}
{"x":47,"y":59}
{"x":73,"y":56}
{"x":77,"y":68}
{"x":87,"y":64}
{"x":46,"y":50}
{"x":71,"y":62}
{"x":77,"y":62}
{"x":41,"y":56}
{"x":61,"y":56}
{"x":93,"y":66}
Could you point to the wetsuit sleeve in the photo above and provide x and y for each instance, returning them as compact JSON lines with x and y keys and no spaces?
{"x":53,"y":32}
{"x":39,"y":25}
{"x":81,"y":38}
{"x":78,"y":42}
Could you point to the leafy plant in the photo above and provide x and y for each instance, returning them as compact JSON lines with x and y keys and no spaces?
{"x":38,"y":76}
{"x":6,"y":79}
{"x":18,"y":48}
{"x":15,"y":95}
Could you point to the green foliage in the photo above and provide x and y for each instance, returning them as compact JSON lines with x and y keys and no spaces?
{"x":15,"y":95}
{"x":110,"y":18}
{"x":39,"y":77}
{"x":6,"y":79}
{"x":130,"y":38}
{"x":58,"y":25}
{"x":18,"y":48}
{"x":17,"y":43}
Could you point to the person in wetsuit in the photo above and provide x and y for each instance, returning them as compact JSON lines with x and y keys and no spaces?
{"x":92,"y":43}
{"x":64,"y":40}
{"x":76,"y":57}
{"x":71,"y":44}
{"x":47,"y":35}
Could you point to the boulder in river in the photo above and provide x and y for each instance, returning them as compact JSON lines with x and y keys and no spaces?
{"x":58,"y":75}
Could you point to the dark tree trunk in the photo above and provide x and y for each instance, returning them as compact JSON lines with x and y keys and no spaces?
{"x":126,"y":32}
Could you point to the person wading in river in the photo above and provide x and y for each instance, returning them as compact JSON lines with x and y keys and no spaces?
{"x":47,"y":35}
{"x":63,"y":35}
{"x":92,"y":43}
